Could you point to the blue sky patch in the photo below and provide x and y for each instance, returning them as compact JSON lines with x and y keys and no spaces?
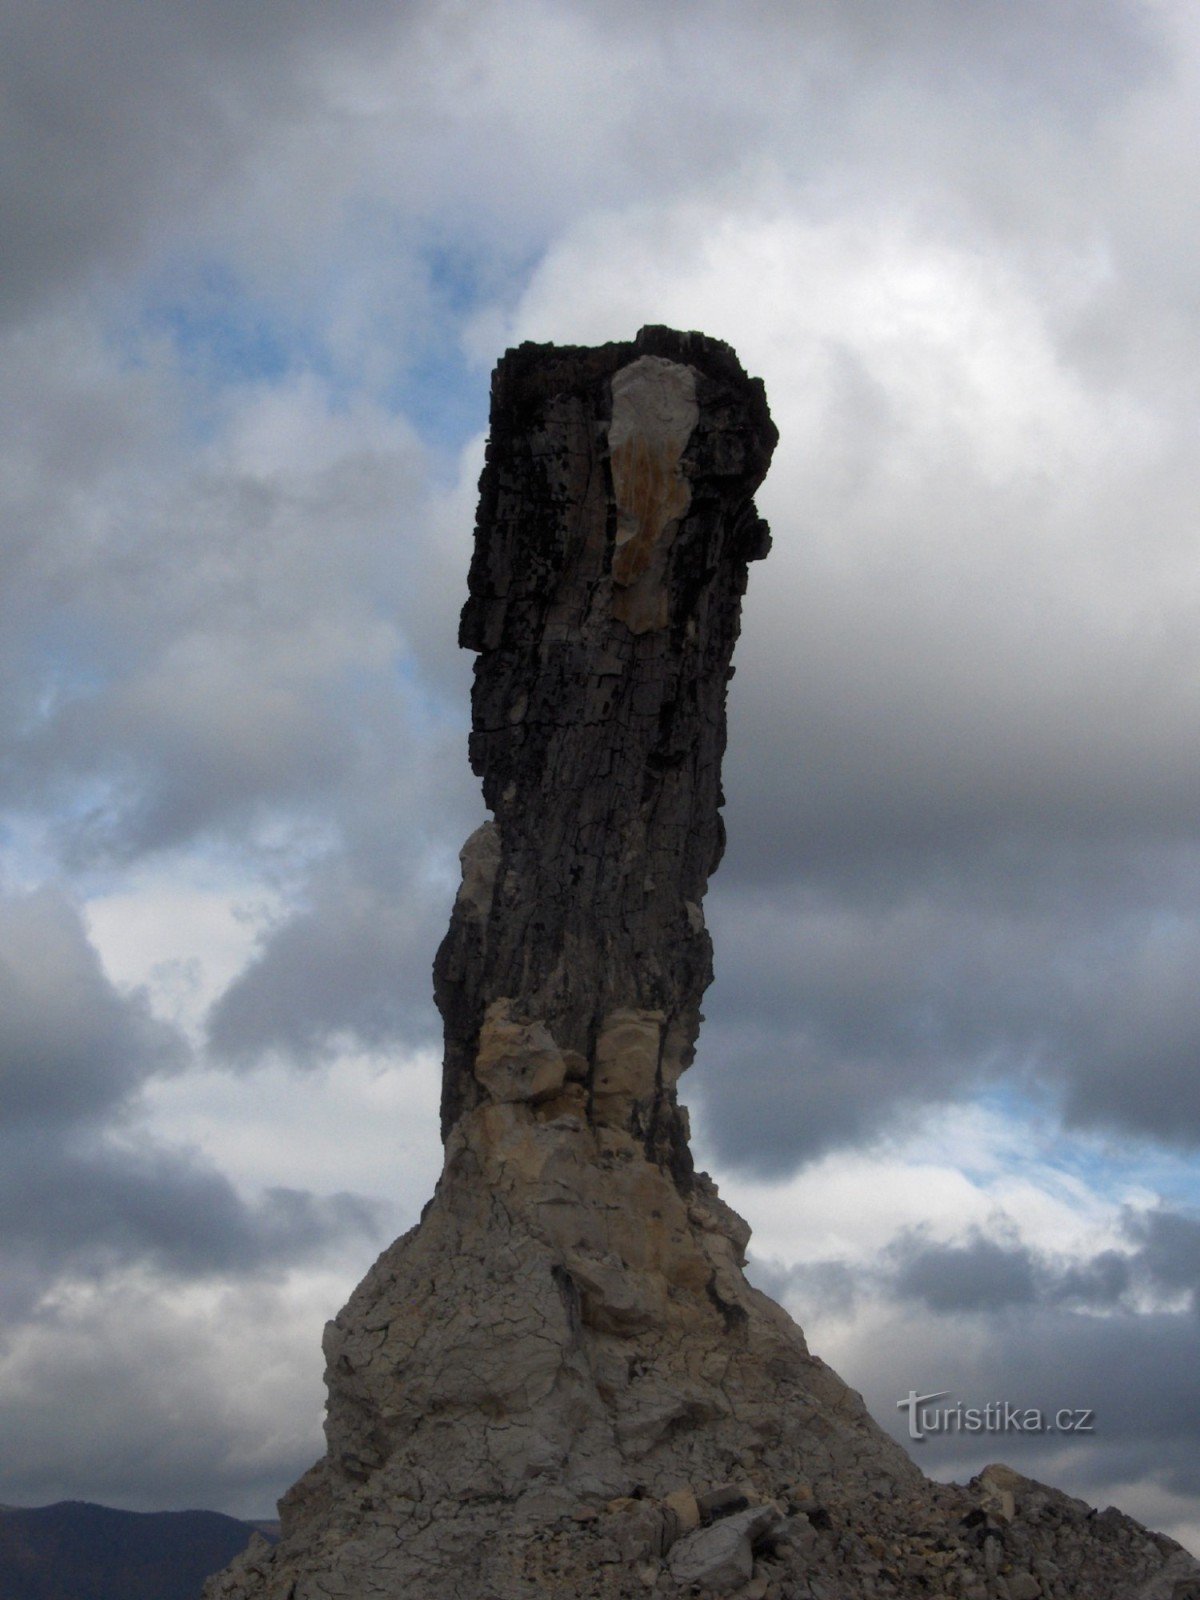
{"x":225,"y":335}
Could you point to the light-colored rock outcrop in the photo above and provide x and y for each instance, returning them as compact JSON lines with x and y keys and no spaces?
{"x":560,"y":1383}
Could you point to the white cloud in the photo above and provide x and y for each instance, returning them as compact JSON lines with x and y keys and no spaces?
{"x":158,"y":1395}
{"x":180,"y":940}
{"x":965,"y":1170}
{"x":365,"y":1123}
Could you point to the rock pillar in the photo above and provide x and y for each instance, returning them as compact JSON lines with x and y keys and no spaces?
{"x":616,"y":521}
{"x":560,"y":1384}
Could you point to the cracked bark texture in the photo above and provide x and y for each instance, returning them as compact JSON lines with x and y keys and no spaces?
{"x":560,"y":1383}
{"x":616,"y":522}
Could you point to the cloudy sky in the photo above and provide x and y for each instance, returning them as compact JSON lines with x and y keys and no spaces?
{"x":259,"y":259}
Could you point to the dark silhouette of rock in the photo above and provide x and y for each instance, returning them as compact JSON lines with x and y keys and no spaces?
{"x":616,"y":522}
{"x":560,"y":1383}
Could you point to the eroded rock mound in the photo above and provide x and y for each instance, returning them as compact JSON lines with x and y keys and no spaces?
{"x":560,"y":1383}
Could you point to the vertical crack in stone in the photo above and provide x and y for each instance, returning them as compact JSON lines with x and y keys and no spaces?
{"x":654,"y":414}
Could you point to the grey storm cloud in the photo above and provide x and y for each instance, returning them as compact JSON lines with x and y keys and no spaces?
{"x":1169,"y":1249}
{"x":74,"y":1193}
{"x":1069,"y":973}
{"x":988,"y":1274}
{"x":1096,"y":1284}
{"x":223,"y":643}
{"x":980,"y":1276}
{"x":116,"y":123}
{"x":135,"y":128}
{"x":354,"y":965}
{"x":992,"y":1319}
{"x":72,"y":1050}
{"x":86,"y":1206}
{"x":1134,"y":1372}
{"x":140,"y":1399}
{"x":352,"y":962}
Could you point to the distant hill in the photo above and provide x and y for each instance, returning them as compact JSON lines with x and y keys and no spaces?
{"x":76,"y":1551}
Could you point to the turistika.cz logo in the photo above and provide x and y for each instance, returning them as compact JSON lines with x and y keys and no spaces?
{"x":998,"y":1416}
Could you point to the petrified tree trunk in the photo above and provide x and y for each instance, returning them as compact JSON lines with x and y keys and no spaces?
{"x":560,"y":1383}
{"x":616,"y":520}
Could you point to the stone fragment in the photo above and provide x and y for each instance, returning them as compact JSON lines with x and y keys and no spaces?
{"x":997,"y":1500}
{"x":1023,"y":1586}
{"x":568,"y":1104}
{"x":641,"y":1531}
{"x":799,"y":1531}
{"x":627,"y":1055}
{"x":997,"y":1486}
{"x":685,"y":1507}
{"x":517,"y":1060}
{"x":721,"y":1500}
{"x":479,"y":859}
{"x":720,"y":1557}
{"x":654,"y":414}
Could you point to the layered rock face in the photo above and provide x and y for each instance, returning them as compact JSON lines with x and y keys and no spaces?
{"x":560,"y":1383}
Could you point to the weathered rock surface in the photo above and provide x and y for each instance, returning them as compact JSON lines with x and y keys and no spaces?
{"x":560,"y":1383}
